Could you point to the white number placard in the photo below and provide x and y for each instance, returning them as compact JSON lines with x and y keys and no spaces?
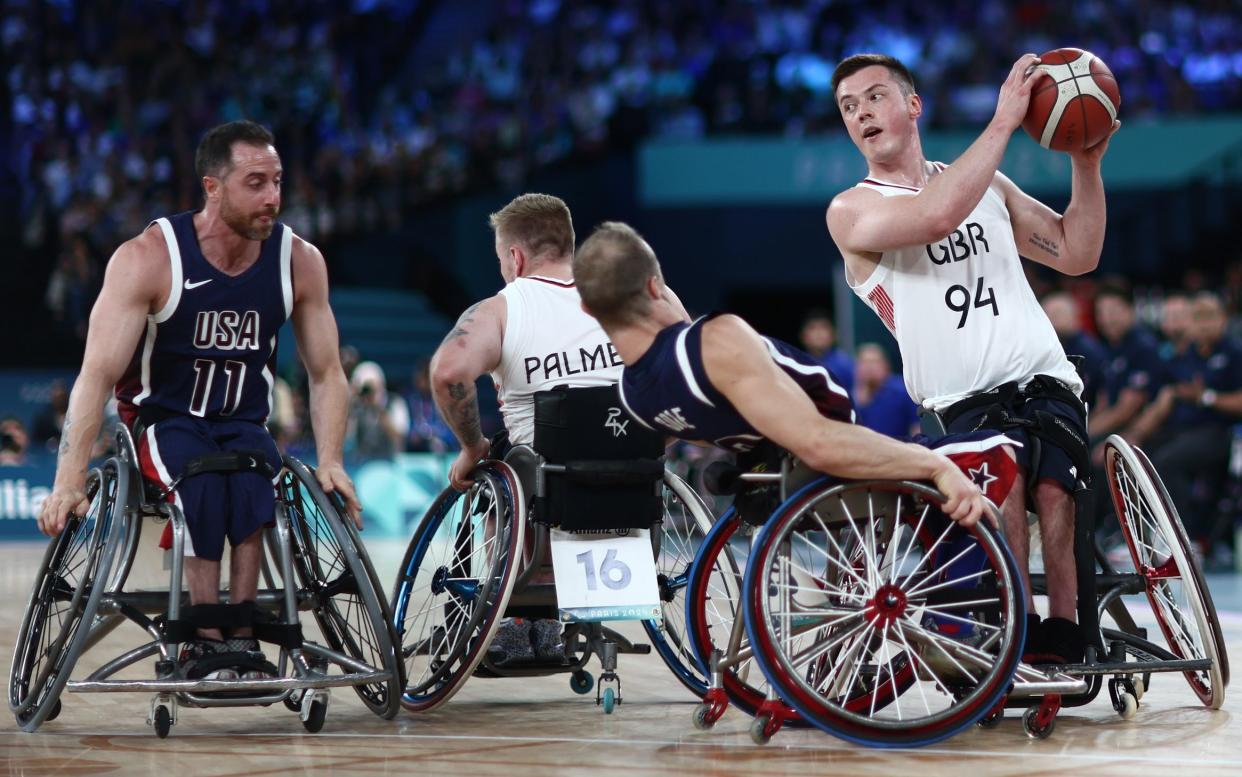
{"x":605,"y":577}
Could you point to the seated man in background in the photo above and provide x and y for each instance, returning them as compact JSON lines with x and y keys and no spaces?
{"x":880,"y":396}
{"x":1190,"y":423}
{"x":718,"y":381}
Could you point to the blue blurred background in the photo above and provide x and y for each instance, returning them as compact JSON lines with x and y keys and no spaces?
{"x":708,"y":125}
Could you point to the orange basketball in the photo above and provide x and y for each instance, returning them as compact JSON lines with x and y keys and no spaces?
{"x":1075,"y":106}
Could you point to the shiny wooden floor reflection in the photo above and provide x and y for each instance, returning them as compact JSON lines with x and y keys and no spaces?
{"x":521,"y":727}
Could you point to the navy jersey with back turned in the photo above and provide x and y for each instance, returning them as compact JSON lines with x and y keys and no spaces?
{"x":667,"y":389}
{"x":211,"y":351}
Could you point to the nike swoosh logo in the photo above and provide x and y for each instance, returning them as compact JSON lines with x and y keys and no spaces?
{"x":195,"y":284}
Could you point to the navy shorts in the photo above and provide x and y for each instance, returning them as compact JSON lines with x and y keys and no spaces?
{"x":1054,"y":463}
{"x":216,"y":505}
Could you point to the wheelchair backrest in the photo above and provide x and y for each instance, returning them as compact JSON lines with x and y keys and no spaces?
{"x":599,"y":468}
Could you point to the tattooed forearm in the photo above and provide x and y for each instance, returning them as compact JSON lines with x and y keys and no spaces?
{"x":65,"y":430}
{"x":460,"y":329}
{"x":1047,"y":245}
{"x":462,"y":414}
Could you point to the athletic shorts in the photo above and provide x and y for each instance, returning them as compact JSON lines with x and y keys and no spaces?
{"x":1054,"y":463}
{"x":216,"y":505}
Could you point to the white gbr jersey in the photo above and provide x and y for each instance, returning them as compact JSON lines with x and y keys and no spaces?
{"x":964,"y":316}
{"x":549,"y":341}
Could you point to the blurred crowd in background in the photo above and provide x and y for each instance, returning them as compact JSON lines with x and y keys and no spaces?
{"x":105,"y":113}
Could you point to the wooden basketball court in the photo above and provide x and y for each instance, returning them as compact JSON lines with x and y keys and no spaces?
{"x":540,"y":727}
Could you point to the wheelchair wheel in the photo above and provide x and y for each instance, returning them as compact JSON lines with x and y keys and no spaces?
{"x":455,"y":581}
{"x":65,"y":598}
{"x":1160,"y":550}
{"x":686,"y":521}
{"x":333,"y":567}
{"x":713,"y":598}
{"x":879,"y":619}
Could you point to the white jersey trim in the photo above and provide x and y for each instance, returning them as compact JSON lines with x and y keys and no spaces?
{"x":174,"y":260}
{"x":807,"y":369}
{"x":977,"y":446}
{"x":683,"y":361}
{"x":626,"y":405}
{"x":166,"y":480}
{"x":286,"y":270}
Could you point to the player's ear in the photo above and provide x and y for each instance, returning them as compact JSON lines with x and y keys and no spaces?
{"x":655,"y":288}
{"x":211,"y":186}
{"x":916,"y":106}
{"x":519,"y":260}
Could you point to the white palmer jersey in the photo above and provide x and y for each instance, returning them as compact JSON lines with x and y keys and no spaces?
{"x":549,"y":341}
{"x":964,"y":316}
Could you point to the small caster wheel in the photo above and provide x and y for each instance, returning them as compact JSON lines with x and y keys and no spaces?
{"x":759,"y":730}
{"x":55,"y":713}
{"x":991,"y":720}
{"x":162,"y":722}
{"x":315,"y":718}
{"x":1032,"y":727}
{"x":703,"y":719}
{"x":1128,"y":706}
{"x":581,"y":682}
{"x":1140,"y":688}
{"x":609,"y":701}
{"x":293,"y":702}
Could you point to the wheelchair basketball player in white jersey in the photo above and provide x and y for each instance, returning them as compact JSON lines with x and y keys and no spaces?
{"x":934,"y":250}
{"x":530,"y":337}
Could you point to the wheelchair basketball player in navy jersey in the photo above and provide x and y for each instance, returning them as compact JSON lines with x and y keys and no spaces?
{"x":184,"y":331}
{"x":716,"y":380}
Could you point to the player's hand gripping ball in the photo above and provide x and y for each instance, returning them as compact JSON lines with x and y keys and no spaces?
{"x":1075,"y":106}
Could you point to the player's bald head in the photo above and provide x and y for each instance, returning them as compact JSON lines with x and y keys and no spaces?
{"x":611,"y":269}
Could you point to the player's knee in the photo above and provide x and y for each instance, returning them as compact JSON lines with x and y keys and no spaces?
{"x":1051,"y":495}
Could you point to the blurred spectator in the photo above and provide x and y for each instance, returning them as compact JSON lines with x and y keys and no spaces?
{"x":377,"y":425}
{"x":45,"y":431}
{"x":13,"y":442}
{"x":1062,"y":310}
{"x":73,"y":286}
{"x":880,"y":396}
{"x":428,"y":432}
{"x":819,"y":339}
{"x":349,"y":359}
{"x":1190,"y":424}
{"x":1132,"y":372}
{"x":1175,"y":325}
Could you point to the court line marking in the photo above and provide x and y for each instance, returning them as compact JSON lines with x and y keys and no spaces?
{"x":843,"y":747}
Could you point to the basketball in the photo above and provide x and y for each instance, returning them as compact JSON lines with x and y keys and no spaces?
{"x":1075,"y":107}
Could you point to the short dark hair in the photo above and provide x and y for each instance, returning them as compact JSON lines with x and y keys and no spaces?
{"x":215,"y":150}
{"x":611,"y":271}
{"x":1117,"y":289}
{"x":540,"y":223}
{"x":851,"y":65}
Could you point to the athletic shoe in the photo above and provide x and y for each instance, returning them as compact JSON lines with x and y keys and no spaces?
{"x":199,"y":660}
{"x":545,"y":634}
{"x":511,"y":643}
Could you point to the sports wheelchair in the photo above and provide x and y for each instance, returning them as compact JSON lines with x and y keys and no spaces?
{"x":864,"y":610}
{"x":475,"y":557}
{"x":80,"y":597}
{"x":869,"y":615}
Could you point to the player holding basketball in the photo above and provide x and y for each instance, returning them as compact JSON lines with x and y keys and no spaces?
{"x":184,"y":330}
{"x":934,"y":250}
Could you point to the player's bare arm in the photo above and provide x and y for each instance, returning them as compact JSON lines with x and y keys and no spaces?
{"x":314,"y":326}
{"x":739,"y":366}
{"x":471,"y":349}
{"x":136,"y":283}
{"x":864,"y":223}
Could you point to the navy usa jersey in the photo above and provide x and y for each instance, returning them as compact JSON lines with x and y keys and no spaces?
{"x":211,"y":351}
{"x":668,"y":389}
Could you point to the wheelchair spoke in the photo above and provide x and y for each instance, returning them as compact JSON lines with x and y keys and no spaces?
{"x":919,"y":586}
{"x":915,"y":662}
{"x":927,"y":553}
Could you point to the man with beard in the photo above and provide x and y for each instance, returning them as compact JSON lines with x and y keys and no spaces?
{"x":184,"y":331}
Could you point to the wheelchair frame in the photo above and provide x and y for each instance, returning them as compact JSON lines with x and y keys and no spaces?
{"x":303,"y":681}
{"x":505,"y":480}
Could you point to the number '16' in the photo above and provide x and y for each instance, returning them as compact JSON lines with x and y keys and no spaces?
{"x":957,"y":297}
{"x":613,"y":573}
